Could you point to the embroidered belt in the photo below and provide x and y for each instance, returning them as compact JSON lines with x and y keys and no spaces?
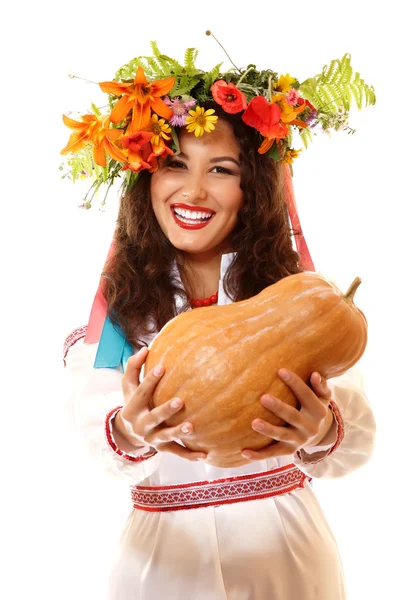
{"x":199,"y":494}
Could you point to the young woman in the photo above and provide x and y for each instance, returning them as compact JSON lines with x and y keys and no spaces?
{"x":210,"y":223}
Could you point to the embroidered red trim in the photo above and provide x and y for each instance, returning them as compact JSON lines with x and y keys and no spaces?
{"x":111,"y":441}
{"x":337,"y":415}
{"x":73,"y":337}
{"x":200,"y":494}
{"x":340,"y":425}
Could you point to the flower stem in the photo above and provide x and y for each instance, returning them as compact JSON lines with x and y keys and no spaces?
{"x":269,"y":88}
{"x":244,"y":75}
{"x":208,"y":32}
{"x":71,"y":76}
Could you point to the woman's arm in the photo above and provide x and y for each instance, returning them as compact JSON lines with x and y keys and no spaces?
{"x":94,"y":396}
{"x":351,"y":439}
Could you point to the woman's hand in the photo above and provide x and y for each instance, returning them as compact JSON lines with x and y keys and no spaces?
{"x":139,"y":425}
{"x":307,"y":425}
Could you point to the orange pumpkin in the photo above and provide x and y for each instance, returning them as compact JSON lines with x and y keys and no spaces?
{"x":220,"y":360}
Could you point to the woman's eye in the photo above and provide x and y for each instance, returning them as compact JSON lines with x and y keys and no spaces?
{"x":222,"y":170}
{"x":176,"y":164}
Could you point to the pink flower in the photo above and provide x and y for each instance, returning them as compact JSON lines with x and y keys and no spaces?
{"x":292,"y":97}
{"x":180,"y":107}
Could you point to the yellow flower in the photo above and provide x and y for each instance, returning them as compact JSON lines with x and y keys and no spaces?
{"x":288,"y":113}
{"x":160,"y":129}
{"x":290,"y":156}
{"x":284,"y":83}
{"x":200,"y":121}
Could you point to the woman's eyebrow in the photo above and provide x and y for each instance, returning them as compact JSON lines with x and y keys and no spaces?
{"x":222,"y":158}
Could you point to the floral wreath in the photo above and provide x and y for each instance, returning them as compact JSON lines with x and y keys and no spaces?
{"x":151,"y":97}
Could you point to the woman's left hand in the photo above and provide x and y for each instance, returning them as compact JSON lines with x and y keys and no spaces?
{"x":307,"y":426}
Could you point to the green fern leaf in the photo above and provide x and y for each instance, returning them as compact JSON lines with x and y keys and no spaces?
{"x":171,"y":66}
{"x":153,"y":65}
{"x":357,"y":91}
{"x":190,"y":58}
{"x":96,"y":110}
{"x":346,"y":70}
{"x":330,"y":72}
{"x":155,"y":49}
{"x":184,"y":86}
{"x":337,"y":86}
{"x":212,"y":76}
{"x":306,"y":137}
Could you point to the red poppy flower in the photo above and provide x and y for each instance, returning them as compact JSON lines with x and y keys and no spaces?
{"x":229,"y":97}
{"x":265,"y":117}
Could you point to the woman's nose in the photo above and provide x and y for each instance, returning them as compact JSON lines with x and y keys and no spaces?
{"x":195,"y":188}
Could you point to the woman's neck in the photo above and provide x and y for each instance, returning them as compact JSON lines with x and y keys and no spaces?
{"x":200,"y":278}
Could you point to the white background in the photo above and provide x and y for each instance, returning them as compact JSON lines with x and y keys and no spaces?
{"x":61,"y":520}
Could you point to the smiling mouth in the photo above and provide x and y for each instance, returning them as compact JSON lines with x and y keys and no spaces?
{"x":191,"y":218}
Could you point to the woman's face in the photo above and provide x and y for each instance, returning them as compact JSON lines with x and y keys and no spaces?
{"x":196,"y":195}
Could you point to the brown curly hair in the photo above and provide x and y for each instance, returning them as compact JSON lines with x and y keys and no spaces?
{"x":137,"y":282}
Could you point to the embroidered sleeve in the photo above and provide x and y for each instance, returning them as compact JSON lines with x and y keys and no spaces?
{"x":143,"y":453}
{"x":317,"y":453}
{"x":92,"y":396}
{"x":355,"y":433}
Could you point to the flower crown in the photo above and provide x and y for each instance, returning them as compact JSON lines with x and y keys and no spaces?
{"x":152,"y":97}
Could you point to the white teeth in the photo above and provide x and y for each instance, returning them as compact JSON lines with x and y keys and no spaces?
{"x":188,"y":214}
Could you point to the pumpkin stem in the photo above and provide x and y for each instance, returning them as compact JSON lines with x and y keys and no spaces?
{"x":349,"y":295}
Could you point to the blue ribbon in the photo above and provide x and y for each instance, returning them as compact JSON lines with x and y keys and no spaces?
{"x":113,"y":350}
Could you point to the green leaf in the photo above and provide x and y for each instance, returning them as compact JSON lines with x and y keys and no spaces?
{"x":337,"y":86}
{"x":154,"y":48}
{"x":190,"y":58}
{"x":175,"y":140}
{"x":273,"y":152}
{"x":306,"y":136}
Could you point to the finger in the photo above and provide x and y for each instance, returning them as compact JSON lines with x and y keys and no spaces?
{"x":162,"y":413}
{"x":182,"y":451}
{"x":320,"y":386}
{"x":272,"y":451}
{"x":304,"y":394}
{"x":130,"y":379}
{"x":289,"y":435}
{"x":287,"y":413}
{"x":139,"y":402}
{"x":177,"y":433}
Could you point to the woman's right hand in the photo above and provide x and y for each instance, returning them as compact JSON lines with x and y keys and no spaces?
{"x":140,"y":426}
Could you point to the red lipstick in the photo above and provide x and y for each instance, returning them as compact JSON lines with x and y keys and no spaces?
{"x":198,"y":225}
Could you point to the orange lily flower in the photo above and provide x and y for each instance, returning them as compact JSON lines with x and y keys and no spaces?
{"x":95,"y":130}
{"x":288,"y":113}
{"x":140,"y":96}
{"x":138,"y":146}
{"x":158,"y":152}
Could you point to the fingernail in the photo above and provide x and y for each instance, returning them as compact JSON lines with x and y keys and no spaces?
{"x":186,"y":429}
{"x":268,"y":400}
{"x":258,"y":425}
{"x":201,"y":457}
{"x":246,"y":454}
{"x":284,"y":374}
{"x":176,"y":403}
{"x":158,"y":370}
